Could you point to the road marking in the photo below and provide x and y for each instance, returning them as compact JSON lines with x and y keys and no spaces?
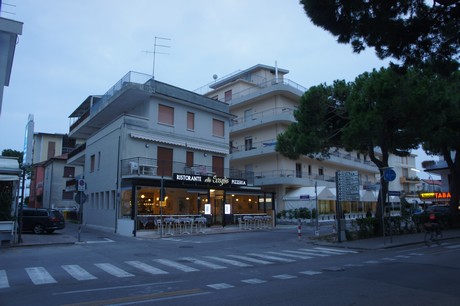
{"x":106,"y":240}
{"x":284,"y":276}
{"x":265,"y":256}
{"x":311,"y":272}
{"x":220,"y":286}
{"x":313,"y":252}
{"x":402,"y":256}
{"x":113,"y":270}
{"x":176,"y":265}
{"x":3,"y":279}
{"x":204,"y":263}
{"x":146,"y":268}
{"x":230,"y":262}
{"x":416,"y":254}
{"x":254,"y":281}
{"x":40,"y":276}
{"x":388,"y":259}
{"x":327,"y":250}
{"x":455,"y":246}
{"x":284,"y":253}
{"x":372,"y":262}
{"x":78,"y":272}
{"x":353,"y":265}
{"x":251,"y":259}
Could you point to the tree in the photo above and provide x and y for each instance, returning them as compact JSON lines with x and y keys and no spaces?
{"x":367,"y":115}
{"x":411,"y":31}
{"x":440,"y":126}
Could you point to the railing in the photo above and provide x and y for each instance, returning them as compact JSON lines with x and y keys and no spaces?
{"x":77,"y":150}
{"x":153,"y":168}
{"x":131,"y":79}
{"x":264,"y":114}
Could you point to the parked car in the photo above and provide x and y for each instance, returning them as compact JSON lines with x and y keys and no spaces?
{"x":40,"y":220}
{"x":441,"y":211}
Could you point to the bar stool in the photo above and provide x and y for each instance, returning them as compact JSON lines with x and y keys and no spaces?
{"x":267,"y":221}
{"x":248,"y":221}
{"x":169,"y":224}
{"x":241,"y":223}
{"x":186,"y":224}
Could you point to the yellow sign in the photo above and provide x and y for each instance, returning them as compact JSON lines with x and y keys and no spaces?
{"x":435,"y":196}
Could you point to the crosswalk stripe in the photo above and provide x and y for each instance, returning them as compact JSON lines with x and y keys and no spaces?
{"x":220,"y":286}
{"x":146,"y":268}
{"x":309,"y":272}
{"x":251,"y":259}
{"x":254,"y":281}
{"x":291,"y":255}
{"x":39,"y":276}
{"x":329,"y":251}
{"x":455,"y":246}
{"x":284,"y":276}
{"x":270,"y":257}
{"x":3,"y":279}
{"x":230,"y":262}
{"x":78,"y":272}
{"x":176,"y":265}
{"x":203,"y":263}
{"x":113,"y":270}
{"x":336,"y":250}
{"x":313,"y":252}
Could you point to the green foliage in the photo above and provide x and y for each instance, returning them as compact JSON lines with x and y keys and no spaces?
{"x":431,"y":32}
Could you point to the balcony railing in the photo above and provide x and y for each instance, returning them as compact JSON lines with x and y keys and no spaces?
{"x":272,"y":112}
{"x":153,"y":168}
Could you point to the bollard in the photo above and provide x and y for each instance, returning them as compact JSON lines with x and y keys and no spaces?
{"x":299,"y":230}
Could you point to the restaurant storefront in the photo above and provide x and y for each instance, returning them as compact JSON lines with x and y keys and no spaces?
{"x":217,"y":200}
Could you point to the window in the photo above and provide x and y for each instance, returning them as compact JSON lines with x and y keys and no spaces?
{"x":67,"y":195}
{"x":165,"y":114}
{"x":320,"y":171}
{"x":298,"y":170}
{"x":248,"y":144}
{"x":165,"y":161}
{"x":218,"y":165}
{"x":98,"y":160}
{"x":51,"y":149}
{"x":92,"y":163}
{"x":189,"y":159}
{"x":228,"y":95}
{"x":69,"y":172}
{"x":217,"y":128}
{"x":309,"y":169}
{"x":190,"y":121}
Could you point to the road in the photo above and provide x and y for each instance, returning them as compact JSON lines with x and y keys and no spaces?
{"x":257,"y":268}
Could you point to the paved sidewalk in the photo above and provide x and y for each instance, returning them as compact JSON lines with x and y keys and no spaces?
{"x":74,"y":234}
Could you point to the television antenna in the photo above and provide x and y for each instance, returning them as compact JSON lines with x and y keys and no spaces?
{"x":155,"y":52}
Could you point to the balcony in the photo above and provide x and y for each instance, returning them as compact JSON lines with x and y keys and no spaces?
{"x":270,"y":116}
{"x":409,"y":180}
{"x":148,"y":168}
{"x":292,"y":177}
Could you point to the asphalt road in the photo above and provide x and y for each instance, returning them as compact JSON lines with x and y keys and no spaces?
{"x":259,"y":268}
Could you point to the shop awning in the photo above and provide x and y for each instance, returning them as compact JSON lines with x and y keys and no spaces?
{"x":308,"y":193}
{"x":368,"y":196}
{"x":8,"y":177}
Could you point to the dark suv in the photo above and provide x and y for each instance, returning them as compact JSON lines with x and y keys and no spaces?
{"x":42,"y":220}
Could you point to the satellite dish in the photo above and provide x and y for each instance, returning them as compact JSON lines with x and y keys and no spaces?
{"x":214,"y":77}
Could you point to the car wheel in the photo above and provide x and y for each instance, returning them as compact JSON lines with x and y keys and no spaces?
{"x":38,"y":229}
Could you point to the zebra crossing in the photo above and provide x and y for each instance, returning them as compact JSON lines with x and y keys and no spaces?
{"x":41,"y":275}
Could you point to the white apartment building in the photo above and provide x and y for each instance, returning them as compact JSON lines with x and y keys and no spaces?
{"x":263,"y":100}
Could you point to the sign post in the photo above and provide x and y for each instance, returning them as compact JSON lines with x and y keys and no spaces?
{"x":347,"y":184}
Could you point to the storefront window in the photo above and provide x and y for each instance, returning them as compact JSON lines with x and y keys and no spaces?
{"x":125,"y":207}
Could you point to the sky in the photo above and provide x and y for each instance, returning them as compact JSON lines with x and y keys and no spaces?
{"x":71,"y":49}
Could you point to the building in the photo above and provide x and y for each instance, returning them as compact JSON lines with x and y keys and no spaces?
{"x":9,"y":31}
{"x":49,"y":170}
{"x":263,"y":102}
{"x":153,"y":150}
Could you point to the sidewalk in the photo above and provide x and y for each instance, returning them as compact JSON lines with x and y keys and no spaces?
{"x":73,"y":235}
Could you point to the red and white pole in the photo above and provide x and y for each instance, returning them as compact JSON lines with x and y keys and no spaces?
{"x":299,"y":230}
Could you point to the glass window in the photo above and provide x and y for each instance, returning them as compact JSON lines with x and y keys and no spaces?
{"x":165,"y":114}
{"x":69,"y":171}
{"x":190,"y":121}
{"x":228,"y":95}
{"x":217,"y":128}
{"x":92,"y":162}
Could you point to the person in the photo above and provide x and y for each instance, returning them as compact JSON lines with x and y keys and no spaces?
{"x":434,"y":225}
{"x":369,"y":213}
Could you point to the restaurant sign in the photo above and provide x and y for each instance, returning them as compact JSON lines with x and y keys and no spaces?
{"x":435,"y":196}
{"x":209,"y":180}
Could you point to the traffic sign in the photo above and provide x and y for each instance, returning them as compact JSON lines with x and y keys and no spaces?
{"x":81,"y":184}
{"x":389,"y":175}
{"x":80,"y":198}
